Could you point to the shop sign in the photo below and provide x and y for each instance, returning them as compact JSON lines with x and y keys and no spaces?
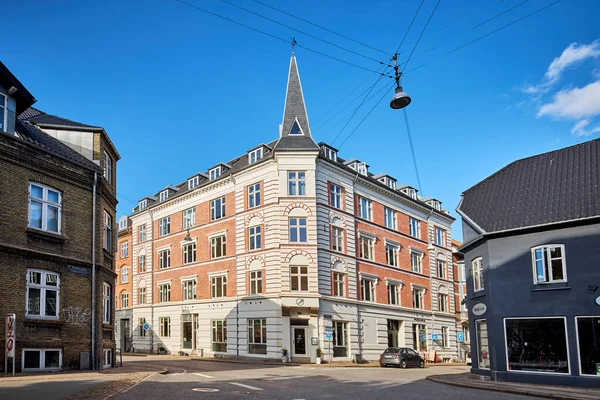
{"x":479,"y":309}
{"x":598,"y":300}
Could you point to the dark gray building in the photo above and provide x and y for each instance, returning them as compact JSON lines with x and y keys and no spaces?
{"x":532,"y":255}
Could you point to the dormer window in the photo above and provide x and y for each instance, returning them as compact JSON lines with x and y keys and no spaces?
{"x":164,"y":195}
{"x":255,"y":155}
{"x":390,"y":183}
{"x":215,"y":173}
{"x":3,"y":113}
{"x":330,"y":153}
{"x":411,"y":192}
{"x":143,"y":204}
{"x":361,"y":168}
{"x":193,"y":182}
{"x":123,"y":223}
{"x":436,"y":204}
{"x":296,"y":130}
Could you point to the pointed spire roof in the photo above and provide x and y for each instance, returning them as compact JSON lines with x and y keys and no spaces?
{"x":295,"y":130}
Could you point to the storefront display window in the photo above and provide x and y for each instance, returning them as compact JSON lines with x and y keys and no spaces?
{"x":483,"y":348}
{"x":588,"y":338}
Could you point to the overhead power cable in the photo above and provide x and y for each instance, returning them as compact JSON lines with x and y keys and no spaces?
{"x":321,"y":27}
{"x":302,"y":32}
{"x":316,"y":120}
{"x":421,"y":35}
{"x":467,"y":18}
{"x":486,"y":35}
{"x":412,"y":149}
{"x":498,"y":15}
{"x":410,"y":26}
{"x":276,"y":37}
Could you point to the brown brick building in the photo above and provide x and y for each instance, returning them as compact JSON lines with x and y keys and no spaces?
{"x":57,"y":177}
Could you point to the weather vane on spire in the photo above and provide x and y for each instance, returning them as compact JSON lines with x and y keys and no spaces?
{"x":293,"y":43}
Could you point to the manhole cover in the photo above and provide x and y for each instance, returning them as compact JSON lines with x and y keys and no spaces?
{"x":206,"y":390}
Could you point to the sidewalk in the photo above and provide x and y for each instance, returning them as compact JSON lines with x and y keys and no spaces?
{"x":549,"y":392}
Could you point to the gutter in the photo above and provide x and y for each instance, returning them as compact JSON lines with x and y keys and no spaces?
{"x":94,"y":272}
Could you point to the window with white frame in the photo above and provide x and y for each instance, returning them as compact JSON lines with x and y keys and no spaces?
{"x":443,"y":303}
{"x":436,"y":204}
{"x":477,"y":268}
{"x":218,"y":246}
{"x":164,"y":226}
{"x":122,"y":223}
{"x":189,"y":253}
{"x":298,"y":232}
{"x":296,"y":183}
{"x":189,"y":289}
{"x":108,"y":167}
{"x":415,"y":261}
{"x":214,"y":173}
{"x":254,"y":195}
{"x":394,"y":293}
{"x":124,"y":249}
{"x":361,"y":167}
{"x":108,"y":231}
{"x":364,"y":208}
{"x":165,"y":326}
{"x":440,"y":237}
{"x":339,"y":284}
{"x":255,"y":155}
{"x":588,"y":340}
{"x":367,"y":285}
{"x":193,"y":182}
{"x":366,"y":247}
{"x":418,"y":295}
{"x":330,"y":153}
{"x":106,"y":302}
{"x":142,"y":263}
{"x":141,"y":330}
{"x":3,"y":113}
{"x":142,"y":204}
{"x":142,"y":295}
{"x":389,"y":218}
{"x":254,"y":237}
{"x":219,"y":336}
{"x":256,"y":282}
{"x":45,"y":208}
{"x":163,"y":195}
{"x":298,"y":278}
{"x":445,"y":336}
{"x":257,"y":336}
{"x":217,"y":208}
{"x":43,"y":294}
{"x":415,"y":230}
{"x":108,"y":358}
{"x":391,"y":254}
{"x":41,"y":359}
{"x":125,"y":275}
{"x":442,"y":270}
{"x":335,"y":195}
{"x":164,"y":258}
{"x":549,"y":263}
{"x":337,"y":238}
{"x":389,"y":182}
{"x":124,"y":300}
{"x":189,"y":218}
{"x":218,"y":286}
{"x":164,"y":292}
{"x":411,"y":192}
{"x":142,"y":233}
{"x":340,"y":339}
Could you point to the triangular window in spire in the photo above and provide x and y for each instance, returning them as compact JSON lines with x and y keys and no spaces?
{"x":296,"y":130}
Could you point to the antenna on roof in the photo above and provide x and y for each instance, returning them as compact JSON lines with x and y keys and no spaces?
{"x":293,"y":42}
{"x":400,"y":99}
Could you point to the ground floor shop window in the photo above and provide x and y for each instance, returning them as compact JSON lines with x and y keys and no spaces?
{"x":219,"y":336}
{"x":537,"y":345}
{"x":588,"y":339}
{"x":393,"y":327}
{"x":419,"y":335}
{"x":42,"y":359}
{"x":340,"y":339}
{"x":257,"y":336}
{"x":483,"y":347}
{"x":187,"y":330}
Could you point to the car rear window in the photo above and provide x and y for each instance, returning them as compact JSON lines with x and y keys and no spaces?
{"x":391,"y":350}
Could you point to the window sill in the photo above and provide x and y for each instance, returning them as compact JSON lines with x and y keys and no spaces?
{"x":52,"y":237}
{"x":108,"y":253}
{"x":478,"y":294}
{"x":43,"y":321}
{"x":545,"y":287}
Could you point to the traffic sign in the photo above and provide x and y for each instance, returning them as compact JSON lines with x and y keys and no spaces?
{"x":328,"y":335}
{"x":146,"y":326}
{"x":434,"y":336}
{"x":329,"y":329}
{"x":459,"y":336}
{"x":423,"y":336}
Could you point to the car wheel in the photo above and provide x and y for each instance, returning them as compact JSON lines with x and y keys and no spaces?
{"x":403,"y":364}
{"x":421,"y":364}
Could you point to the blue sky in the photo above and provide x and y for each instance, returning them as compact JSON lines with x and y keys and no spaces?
{"x":179,"y":90}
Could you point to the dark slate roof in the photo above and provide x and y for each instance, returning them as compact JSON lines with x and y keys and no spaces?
{"x":561,"y":185}
{"x":41,"y":118}
{"x":32,"y":134}
{"x":22,"y":95}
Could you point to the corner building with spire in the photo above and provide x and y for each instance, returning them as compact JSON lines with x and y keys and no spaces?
{"x":290,"y":247}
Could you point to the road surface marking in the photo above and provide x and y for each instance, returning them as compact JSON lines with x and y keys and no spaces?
{"x":208,"y":390}
{"x":204,"y":376}
{"x":245,"y":386}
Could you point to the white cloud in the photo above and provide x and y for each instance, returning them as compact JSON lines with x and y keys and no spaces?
{"x":580,"y":128}
{"x":574,"y":103}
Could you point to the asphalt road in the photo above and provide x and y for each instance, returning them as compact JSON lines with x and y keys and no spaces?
{"x":194,"y":379}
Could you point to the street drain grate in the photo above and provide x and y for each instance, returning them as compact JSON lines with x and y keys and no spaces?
{"x":205,"y":390}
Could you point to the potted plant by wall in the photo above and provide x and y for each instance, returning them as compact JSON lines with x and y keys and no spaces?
{"x":284,"y":354}
{"x":318,"y":355}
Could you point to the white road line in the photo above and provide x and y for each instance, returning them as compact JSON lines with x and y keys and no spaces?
{"x":204,"y":376}
{"x":245,"y":386}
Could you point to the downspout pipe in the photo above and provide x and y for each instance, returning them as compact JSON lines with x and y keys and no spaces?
{"x":94,"y":202}
{"x":152,"y":282}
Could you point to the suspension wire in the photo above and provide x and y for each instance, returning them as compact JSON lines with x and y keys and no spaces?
{"x":498,"y":15}
{"x":420,"y":36}
{"x":410,"y":26}
{"x":412,"y":149}
{"x":314,"y":123}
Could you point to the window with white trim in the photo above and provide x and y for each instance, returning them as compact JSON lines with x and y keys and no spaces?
{"x":298,"y":232}
{"x":418,"y":295}
{"x":254,"y":195}
{"x":394,"y":293}
{"x":255,"y":155}
{"x":124,"y":300}
{"x":337,"y":238}
{"x":108,"y":167}
{"x":42,"y":360}
{"x":218,"y":286}
{"x":256,"y":282}
{"x":445,"y":336}
{"x":189,"y":218}
{"x":165,"y":326}
{"x":549,"y":264}
{"x":367,"y":286}
{"x":477,"y":268}
{"x":391,"y":254}
{"x":189,"y":253}
{"x":142,"y":204}
{"x":296,"y":183}
{"x":106,"y":302}
{"x":122,"y":223}
{"x":361,"y":167}
{"x":415,"y":261}
{"x":108,"y":358}
{"x":189,"y":289}
{"x":164,"y":292}
{"x":219,"y":336}
{"x":164,"y":258}
{"x":141,"y":330}
{"x":257,"y":336}
{"x":366,"y":247}
{"x":218,"y":246}
{"x":142,"y":233}
{"x":440,"y":237}
{"x":442,"y":270}
{"x":214,"y":173}
{"x":124,"y":249}
{"x":339,"y":281}
{"x":335,"y":196}
{"x":142,"y":295}
{"x":43,"y":294}
{"x":125,"y":275}
{"x":389,"y":182}
{"x":163,"y":195}
{"x":254,"y":237}
{"x":3,"y":113}
{"x":142,"y":263}
{"x":364,"y":208}
{"x":340,"y":339}
{"x":298,"y":278}
{"x":217,"y":209}
{"x":389,"y":218}
{"x":164,"y":226}
{"x":193,"y":182}
{"x":45,"y":208}
{"x":415,"y":229}
{"x":443,"y":303}
{"x":330,"y":153}
{"x":108,"y":232}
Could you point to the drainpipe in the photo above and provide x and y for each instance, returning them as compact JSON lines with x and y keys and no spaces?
{"x":152,"y":283}
{"x":358,"y":316}
{"x":94,"y":272}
